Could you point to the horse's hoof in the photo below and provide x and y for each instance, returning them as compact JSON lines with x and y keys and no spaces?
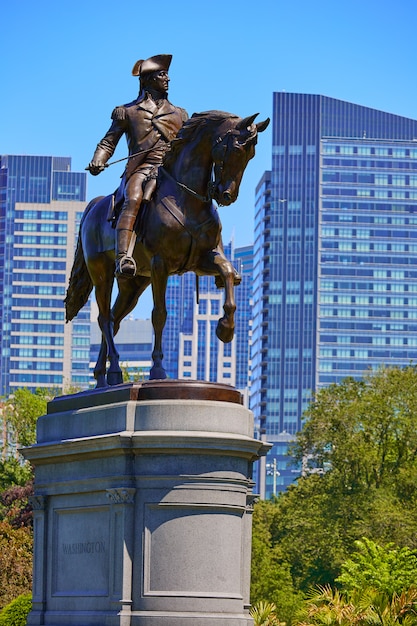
{"x":101,"y":381}
{"x":157,"y":373}
{"x":224,"y":333}
{"x":114,"y":378}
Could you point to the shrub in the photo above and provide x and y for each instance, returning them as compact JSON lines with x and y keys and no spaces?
{"x":15,"y":562}
{"x":15,"y":506}
{"x":264,"y":614}
{"x":16,"y":613}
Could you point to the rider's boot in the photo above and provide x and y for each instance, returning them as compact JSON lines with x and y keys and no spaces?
{"x":125,"y":265}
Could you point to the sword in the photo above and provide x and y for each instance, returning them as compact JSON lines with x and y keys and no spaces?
{"x":124,"y":158}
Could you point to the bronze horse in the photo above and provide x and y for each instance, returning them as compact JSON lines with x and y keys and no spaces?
{"x":181,"y":232}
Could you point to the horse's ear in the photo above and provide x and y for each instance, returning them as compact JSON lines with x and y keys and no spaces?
{"x":246,"y":122}
{"x":261,"y":126}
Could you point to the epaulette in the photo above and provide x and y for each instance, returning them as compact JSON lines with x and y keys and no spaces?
{"x":184,"y":114}
{"x":119,"y":114}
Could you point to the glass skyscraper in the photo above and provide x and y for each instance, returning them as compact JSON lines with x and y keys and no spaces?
{"x":41,"y":204}
{"x":335,"y":259}
{"x":243,"y":261}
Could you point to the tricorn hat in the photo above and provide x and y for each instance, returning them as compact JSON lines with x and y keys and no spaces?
{"x":158,"y":63}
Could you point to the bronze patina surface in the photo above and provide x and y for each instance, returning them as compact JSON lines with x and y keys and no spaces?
{"x":147,"y":390}
{"x":179,"y":226}
{"x":149,"y":124}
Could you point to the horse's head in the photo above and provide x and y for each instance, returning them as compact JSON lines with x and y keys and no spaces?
{"x":231,"y":152}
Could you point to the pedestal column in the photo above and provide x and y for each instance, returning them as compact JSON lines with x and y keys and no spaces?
{"x":149,"y":498}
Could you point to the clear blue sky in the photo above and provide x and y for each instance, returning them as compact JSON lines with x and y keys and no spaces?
{"x":64,"y":66}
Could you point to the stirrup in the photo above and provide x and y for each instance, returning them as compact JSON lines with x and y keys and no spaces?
{"x":125,"y":266}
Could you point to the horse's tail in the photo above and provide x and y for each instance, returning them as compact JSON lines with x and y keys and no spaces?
{"x":80,"y":283}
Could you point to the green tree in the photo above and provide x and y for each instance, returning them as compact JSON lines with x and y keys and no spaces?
{"x":366,"y":433}
{"x":134,"y":375}
{"x":271,"y":580}
{"x":14,"y":473}
{"x":314,"y":528}
{"x":22,"y":411}
{"x":387,"y":569}
{"x":363,"y":435}
{"x":365,"y":430}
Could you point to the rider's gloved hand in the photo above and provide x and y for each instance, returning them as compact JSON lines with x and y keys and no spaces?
{"x":95,"y":168}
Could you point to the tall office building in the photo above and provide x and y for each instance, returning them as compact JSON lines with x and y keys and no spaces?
{"x":191,"y":347}
{"x":134,"y":342}
{"x":335,"y":259}
{"x":243,"y":261}
{"x":41,"y":203}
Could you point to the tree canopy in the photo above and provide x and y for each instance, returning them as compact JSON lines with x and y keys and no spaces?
{"x":362,"y":436}
{"x":364,"y":430}
{"x":22,"y":410}
{"x":387,"y":569}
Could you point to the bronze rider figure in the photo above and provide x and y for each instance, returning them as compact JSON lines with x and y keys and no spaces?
{"x":150,"y":123}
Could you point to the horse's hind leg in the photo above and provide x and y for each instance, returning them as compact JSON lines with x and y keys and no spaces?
{"x":100,"y":368}
{"x":104,"y":278}
{"x":130,"y":289}
{"x":159,"y":315}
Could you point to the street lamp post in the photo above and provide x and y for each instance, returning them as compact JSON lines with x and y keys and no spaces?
{"x":271,"y":469}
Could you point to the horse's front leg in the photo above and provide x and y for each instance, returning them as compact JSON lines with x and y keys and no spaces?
{"x":223,"y":269}
{"x":159,"y":278}
{"x":226,"y":325}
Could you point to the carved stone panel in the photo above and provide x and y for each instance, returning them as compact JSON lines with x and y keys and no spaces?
{"x":81,"y":555}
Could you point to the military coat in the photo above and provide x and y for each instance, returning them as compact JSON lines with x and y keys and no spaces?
{"x":149,"y":127}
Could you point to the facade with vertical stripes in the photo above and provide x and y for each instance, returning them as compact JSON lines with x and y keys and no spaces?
{"x":335,"y":258}
{"x":41,"y":203}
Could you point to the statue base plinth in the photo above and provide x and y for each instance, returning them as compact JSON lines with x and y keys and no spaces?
{"x":142,"y":507}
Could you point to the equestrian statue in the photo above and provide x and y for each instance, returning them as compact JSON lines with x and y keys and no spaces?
{"x":161,"y":220}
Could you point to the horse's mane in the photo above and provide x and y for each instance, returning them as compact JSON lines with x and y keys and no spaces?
{"x":191,"y":128}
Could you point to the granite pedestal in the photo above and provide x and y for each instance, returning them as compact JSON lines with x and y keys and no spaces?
{"x":142,"y":507}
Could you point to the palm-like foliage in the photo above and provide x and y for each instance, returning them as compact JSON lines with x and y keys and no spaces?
{"x":264,"y":614}
{"x":329,"y":607}
{"x":384,"y":610}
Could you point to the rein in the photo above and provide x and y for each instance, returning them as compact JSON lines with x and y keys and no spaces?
{"x":207,"y":198}
{"x":210,"y":188}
